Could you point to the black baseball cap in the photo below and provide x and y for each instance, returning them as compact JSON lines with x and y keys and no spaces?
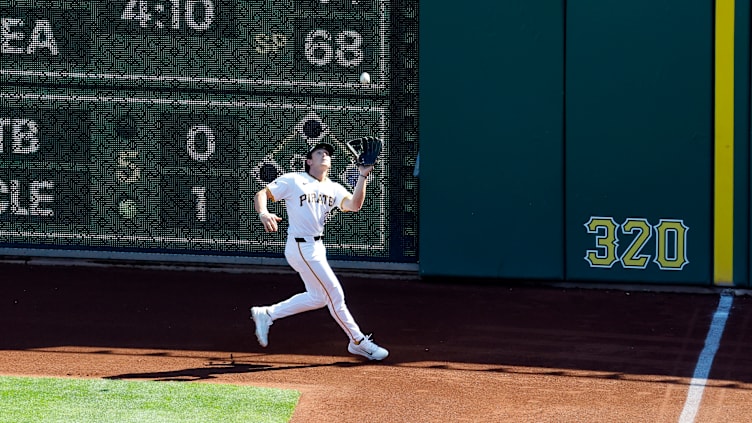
{"x":325,"y":145}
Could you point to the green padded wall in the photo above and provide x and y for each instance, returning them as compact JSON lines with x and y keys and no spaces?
{"x":639,"y":140}
{"x":491,"y":116}
{"x":741,"y":144}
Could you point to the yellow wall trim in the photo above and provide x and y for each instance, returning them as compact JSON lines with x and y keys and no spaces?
{"x":724,"y":144}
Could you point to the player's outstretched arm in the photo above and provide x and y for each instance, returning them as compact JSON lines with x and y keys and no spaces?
{"x":268,"y":220}
{"x":355,"y":202}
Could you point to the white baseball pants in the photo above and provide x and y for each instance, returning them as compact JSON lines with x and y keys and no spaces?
{"x":322,"y":287}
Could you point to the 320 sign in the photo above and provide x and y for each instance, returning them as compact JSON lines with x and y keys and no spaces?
{"x":670,"y":243}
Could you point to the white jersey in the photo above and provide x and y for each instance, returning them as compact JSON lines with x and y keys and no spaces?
{"x":308,"y":201}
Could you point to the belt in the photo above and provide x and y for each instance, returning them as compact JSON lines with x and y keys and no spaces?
{"x":315,"y":238}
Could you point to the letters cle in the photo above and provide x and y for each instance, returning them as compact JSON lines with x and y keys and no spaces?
{"x":24,"y":139}
{"x":20,"y":37}
{"x":10,"y":198}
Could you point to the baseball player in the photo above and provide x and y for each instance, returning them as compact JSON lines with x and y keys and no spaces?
{"x":309,"y":197}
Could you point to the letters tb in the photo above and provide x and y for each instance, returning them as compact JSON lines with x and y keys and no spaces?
{"x":22,"y":133}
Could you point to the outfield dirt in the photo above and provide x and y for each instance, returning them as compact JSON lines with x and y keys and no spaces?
{"x":459,"y":351}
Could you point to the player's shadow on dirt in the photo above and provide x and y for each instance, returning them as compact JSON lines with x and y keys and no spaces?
{"x":503,"y":324}
{"x":212,"y":371}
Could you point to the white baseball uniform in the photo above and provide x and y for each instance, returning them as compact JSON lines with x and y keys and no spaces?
{"x":308,"y":202}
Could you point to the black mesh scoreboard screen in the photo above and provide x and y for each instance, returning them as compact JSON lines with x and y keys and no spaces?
{"x":143,"y":128}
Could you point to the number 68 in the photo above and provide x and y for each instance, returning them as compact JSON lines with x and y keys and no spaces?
{"x":345,"y":51}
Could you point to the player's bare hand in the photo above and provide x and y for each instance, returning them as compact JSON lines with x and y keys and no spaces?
{"x":365,"y":170}
{"x":269,"y":221}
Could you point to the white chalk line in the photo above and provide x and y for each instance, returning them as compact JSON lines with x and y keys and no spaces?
{"x":705,"y":362}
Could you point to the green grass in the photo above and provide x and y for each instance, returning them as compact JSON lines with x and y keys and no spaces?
{"x":24,"y":399}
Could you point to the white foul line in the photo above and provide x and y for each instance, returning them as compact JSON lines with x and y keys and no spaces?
{"x":702,"y":370}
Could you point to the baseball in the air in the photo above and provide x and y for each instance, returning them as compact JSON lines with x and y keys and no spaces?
{"x":365,"y":78}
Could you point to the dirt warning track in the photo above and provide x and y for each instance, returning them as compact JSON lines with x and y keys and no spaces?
{"x":458,"y":352}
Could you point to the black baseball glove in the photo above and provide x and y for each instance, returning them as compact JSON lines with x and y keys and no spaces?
{"x":366,"y":150}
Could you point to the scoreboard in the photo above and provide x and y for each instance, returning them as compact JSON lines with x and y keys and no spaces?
{"x":146,"y":126}
{"x":306,"y":46}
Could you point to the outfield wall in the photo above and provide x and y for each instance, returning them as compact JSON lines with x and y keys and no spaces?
{"x":586,"y":141}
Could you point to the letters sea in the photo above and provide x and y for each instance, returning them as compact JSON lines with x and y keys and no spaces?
{"x":13,"y":39}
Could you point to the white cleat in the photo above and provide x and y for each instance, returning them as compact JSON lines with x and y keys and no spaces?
{"x":368,"y":349}
{"x":263,"y":321}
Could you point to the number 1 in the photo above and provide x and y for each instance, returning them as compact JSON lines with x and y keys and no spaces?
{"x":200,"y":193}
{"x":175,"y":14}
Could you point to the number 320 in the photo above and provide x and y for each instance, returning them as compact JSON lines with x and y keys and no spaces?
{"x":670,"y":243}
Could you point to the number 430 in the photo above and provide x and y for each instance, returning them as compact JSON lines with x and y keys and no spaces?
{"x":670,"y":243}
